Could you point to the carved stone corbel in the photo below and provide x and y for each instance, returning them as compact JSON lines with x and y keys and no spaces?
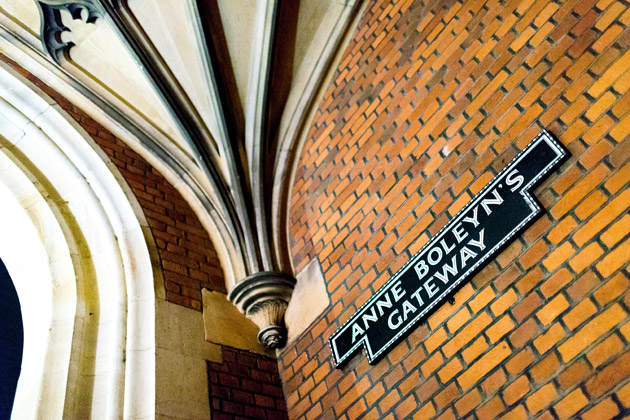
{"x":263,"y":297}
{"x":52,"y":26}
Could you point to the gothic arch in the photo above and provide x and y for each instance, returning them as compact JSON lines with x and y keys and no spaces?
{"x":87,"y":287}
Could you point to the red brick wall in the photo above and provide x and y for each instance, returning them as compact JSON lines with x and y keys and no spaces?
{"x":245,"y":386}
{"x":430,"y":100}
{"x":189,"y":260}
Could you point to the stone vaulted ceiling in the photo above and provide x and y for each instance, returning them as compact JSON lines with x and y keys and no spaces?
{"x":216,"y":93}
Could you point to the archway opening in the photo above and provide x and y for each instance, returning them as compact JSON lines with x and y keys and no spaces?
{"x":11,"y":342}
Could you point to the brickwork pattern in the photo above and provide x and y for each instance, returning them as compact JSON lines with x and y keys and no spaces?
{"x":189,"y":260}
{"x":245,"y":386}
{"x":431,"y":99}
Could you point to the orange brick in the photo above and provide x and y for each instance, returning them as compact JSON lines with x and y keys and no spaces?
{"x":520,"y":362}
{"x":591,"y":332}
{"x":556,"y":282}
{"x":484,"y":365}
{"x":427,"y":411}
{"x":457,"y":320}
{"x":617,"y":231}
{"x":600,"y":106}
{"x":619,"y":179}
{"x":610,"y":75}
{"x":451,"y":369}
{"x":596,"y":153}
{"x":475,"y":349}
{"x":549,"y":338}
{"x":482,"y":299}
{"x":615,"y":259}
{"x":606,"y":215}
{"x":574,"y":374}
{"x":541,"y":398}
{"x":605,"y":350}
{"x":608,"y":377}
{"x":435,"y":340}
{"x":624,"y":395}
{"x":530,"y":280}
{"x":491,"y":409}
{"x":468,"y":403}
{"x":504,"y":302}
{"x":613,"y":288}
{"x":583,"y":311}
{"x":518,"y":413}
{"x":558,"y":256}
{"x":499,"y":329}
{"x":562,"y":229}
{"x":590,"y":204}
{"x":432,"y":364}
{"x":585,"y":257}
{"x":516,"y":390}
{"x":534,"y":255}
{"x":466,"y":335}
{"x":571,"y":404}
{"x":625,"y":330}
{"x":550,"y":311}
{"x":374,"y":394}
{"x":545,"y":368}
{"x":605,"y":410}
{"x":583,"y":187}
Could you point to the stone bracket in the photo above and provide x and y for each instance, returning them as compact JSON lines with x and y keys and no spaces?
{"x":263,"y":297}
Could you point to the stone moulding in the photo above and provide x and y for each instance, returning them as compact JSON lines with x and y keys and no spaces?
{"x":52,"y":26}
{"x":263,"y":297}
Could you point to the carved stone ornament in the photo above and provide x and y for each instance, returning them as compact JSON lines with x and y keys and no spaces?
{"x":263,"y":298}
{"x":52,"y":26}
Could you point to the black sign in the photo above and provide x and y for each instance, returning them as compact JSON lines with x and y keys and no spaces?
{"x":493,"y":217}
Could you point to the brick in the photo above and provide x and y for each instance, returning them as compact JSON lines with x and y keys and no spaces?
{"x":482,"y":299}
{"x":450,"y":370}
{"x":608,"y":377}
{"x":551,"y":310}
{"x":573,"y":375}
{"x":586,"y":257}
{"x":499,"y":329}
{"x":591,"y":332}
{"x":615,"y":259}
{"x":571,"y":404}
{"x":519,"y":362}
{"x":435,"y":340}
{"x":558,"y":256}
{"x":580,"y":313}
{"x":475,"y":349}
{"x":467,"y":334}
{"x":426,"y":411}
{"x":484,"y":365}
{"x":516,"y":390}
{"x":612,"y":289}
{"x":624,"y":395}
{"x":491,"y":409}
{"x":618,"y":179}
{"x":605,"y":410}
{"x":556,"y":282}
{"x":541,"y":398}
{"x":432,"y":364}
{"x":616,"y":232}
{"x":504,"y":302}
{"x":545,"y":369}
{"x":547,"y":340}
{"x":573,"y":196}
{"x":525,"y":332}
{"x":605,"y":350}
{"x":457,"y":320}
{"x":562,"y":229}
